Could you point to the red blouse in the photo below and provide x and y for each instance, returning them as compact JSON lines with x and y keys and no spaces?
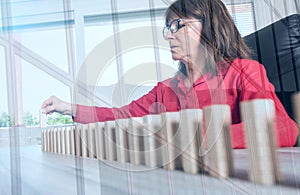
{"x":243,"y":80}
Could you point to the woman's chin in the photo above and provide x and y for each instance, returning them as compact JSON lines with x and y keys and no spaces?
{"x":176,"y":56}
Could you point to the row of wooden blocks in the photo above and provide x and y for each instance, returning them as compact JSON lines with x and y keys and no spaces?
{"x":176,"y":140}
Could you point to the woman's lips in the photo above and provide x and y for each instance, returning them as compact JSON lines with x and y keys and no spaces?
{"x":172,"y":47}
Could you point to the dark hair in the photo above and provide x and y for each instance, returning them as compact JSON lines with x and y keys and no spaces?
{"x":220,"y":36}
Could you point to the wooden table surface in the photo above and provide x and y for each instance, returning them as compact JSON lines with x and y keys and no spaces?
{"x":27,"y":170}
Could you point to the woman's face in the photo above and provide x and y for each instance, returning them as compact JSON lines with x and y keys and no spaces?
{"x":185,"y":43}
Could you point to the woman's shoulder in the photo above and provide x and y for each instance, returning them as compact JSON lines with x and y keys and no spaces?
{"x":244,"y":63}
{"x":171,"y":81}
{"x":166,"y":83}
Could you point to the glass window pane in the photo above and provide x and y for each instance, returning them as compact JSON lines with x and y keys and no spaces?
{"x":243,"y":17}
{"x":38,"y":86}
{"x":98,"y":39}
{"x":138,"y":55}
{"x":49,"y":43}
{"x":3,"y":83}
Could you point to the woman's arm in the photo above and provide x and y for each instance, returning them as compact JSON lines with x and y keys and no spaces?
{"x":90,"y":114}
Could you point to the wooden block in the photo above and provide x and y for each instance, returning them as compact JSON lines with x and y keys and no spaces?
{"x":122,"y":140}
{"x":63,"y":140}
{"x":171,"y":141}
{"x":43,"y":119}
{"x":48,"y":140}
{"x":219,"y":149}
{"x":72,"y":140}
{"x":54,"y":140}
{"x":91,"y":140}
{"x":77,"y":134}
{"x":296,"y":111}
{"x":258,"y":117}
{"x":84,"y":140}
{"x":190,"y":140}
{"x":58,"y":140}
{"x":135,"y":140}
{"x":110,"y":141}
{"x":100,"y":141}
{"x":152,"y":140}
{"x":67,"y":140}
{"x":43,"y":140}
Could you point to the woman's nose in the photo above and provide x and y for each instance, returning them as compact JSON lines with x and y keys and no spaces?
{"x":169,"y":35}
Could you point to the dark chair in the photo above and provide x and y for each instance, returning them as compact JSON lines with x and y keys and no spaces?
{"x":277,"y":47}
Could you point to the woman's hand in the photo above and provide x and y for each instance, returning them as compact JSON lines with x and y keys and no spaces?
{"x":54,"y":104}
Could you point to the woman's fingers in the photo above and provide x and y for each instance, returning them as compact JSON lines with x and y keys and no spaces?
{"x":53,"y":104}
{"x":49,"y":105}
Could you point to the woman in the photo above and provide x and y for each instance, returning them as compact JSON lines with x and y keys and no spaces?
{"x":214,"y":68}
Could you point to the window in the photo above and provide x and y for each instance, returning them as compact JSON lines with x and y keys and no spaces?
{"x":48,"y":43}
{"x":39,"y":31}
{"x":37,"y":86}
{"x":243,"y":17}
{"x":3,"y":87}
{"x":139,"y":62}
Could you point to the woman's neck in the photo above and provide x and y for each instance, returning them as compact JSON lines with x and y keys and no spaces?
{"x":194,"y":71}
{"x":193,"y":74}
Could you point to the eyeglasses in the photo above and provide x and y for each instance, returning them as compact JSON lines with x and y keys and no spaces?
{"x":177,"y":24}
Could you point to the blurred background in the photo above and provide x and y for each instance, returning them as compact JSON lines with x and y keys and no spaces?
{"x":104,"y":53}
